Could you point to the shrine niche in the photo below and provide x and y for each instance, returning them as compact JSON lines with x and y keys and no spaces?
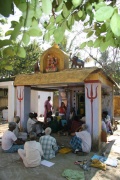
{"x":52,"y":63}
{"x":53,"y":60}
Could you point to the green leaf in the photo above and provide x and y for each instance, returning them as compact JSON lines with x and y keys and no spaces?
{"x":9,"y":68}
{"x":50,"y":26}
{"x":108,"y":35}
{"x":52,"y":19}
{"x":97,"y":42}
{"x":21,"y":52}
{"x":16,"y":32}
{"x":8,"y":33}
{"x":104,"y":13}
{"x":83,"y":16}
{"x":87,"y":30}
{"x":76,"y":17}
{"x":5,"y":42}
{"x":51,"y":31}
{"x":98,"y":32}
{"x":86,"y":23}
{"x":66,"y":12}
{"x":70,"y":20}
{"x":60,"y":4}
{"x":115,"y":24}
{"x":103,"y":28}
{"x":23,"y":6}
{"x":99,"y":5}
{"x":29,"y":15}
{"x":90,"y":43}
{"x":59,"y":33}
{"x":38,"y":12}
{"x":112,"y":42}
{"x":9,"y":51}
{"x":103,"y":46}
{"x":90,"y":34}
{"x":80,"y":13}
{"x":34,"y":22}
{"x":13,"y":24}
{"x":47,"y":6}
{"x":59,"y":18}
{"x":82,"y":45}
{"x":35,"y":31}
{"x":28,"y":22}
{"x":6,"y":7}
{"x":26,"y":38}
{"x":47,"y":36}
{"x":77,"y":3}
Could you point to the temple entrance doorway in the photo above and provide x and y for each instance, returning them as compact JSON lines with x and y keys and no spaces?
{"x":81,"y":104}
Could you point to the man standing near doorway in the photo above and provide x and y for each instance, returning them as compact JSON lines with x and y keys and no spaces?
{"x":47,"y":107}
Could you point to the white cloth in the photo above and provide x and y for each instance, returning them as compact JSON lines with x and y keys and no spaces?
{"x":108,"y":123}
{"x":30,"y":123}
{"x":86,"y":140}
{"x":104,"y":128}
{"x":35,"y":126}
{"x":107,"y":119}
{"x":16,"y":130}
{"x":18,"y":134}
{"x":8,"y":139}
{"x":31,"y":155}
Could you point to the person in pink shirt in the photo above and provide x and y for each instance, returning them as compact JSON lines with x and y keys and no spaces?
{"x":48,"y":107}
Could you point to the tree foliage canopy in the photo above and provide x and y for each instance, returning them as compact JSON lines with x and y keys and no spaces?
{"x":101,"y":19}
{"x":14,"y":65}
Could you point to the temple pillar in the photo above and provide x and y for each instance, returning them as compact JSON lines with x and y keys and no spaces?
{"x":23,"y":105}
{"x":11,"y":102}
{"x":93,"y":111}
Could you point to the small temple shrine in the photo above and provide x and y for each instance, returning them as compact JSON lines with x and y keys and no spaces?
{"x":88,"y":90}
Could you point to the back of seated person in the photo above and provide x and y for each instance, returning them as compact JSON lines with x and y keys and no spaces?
{"x":49,"y":116}
{"x":54,"y":125}
{"x":33,"y":125}
{"x":75,"y":124}
{"x":10,"y":143}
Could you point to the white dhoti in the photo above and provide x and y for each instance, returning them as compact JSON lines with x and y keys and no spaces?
{"x":22,"y":154}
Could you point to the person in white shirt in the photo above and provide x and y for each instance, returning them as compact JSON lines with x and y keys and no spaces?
{"x":10,"y":143}
{"x":81,"y":140}
{"x":31,"y":155}
{"x":107,"y":120}
{"x":17,"y":132}
{"x":104,"y":128}
{"x":33,"y":125}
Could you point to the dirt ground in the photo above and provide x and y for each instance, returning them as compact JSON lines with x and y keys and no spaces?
{"x":11,"y":168}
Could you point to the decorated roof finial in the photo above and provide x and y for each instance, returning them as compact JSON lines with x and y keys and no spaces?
{"x":55,"y":45}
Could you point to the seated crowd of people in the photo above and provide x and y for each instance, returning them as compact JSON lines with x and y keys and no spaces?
{"x":37,"y":142}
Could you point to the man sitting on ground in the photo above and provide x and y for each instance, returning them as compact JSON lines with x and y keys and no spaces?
{"x":33,"y":125}
{"x":31,"y":155}
{"x":81,"y":140}
{"x":49,"y":145}
{"x":17,"y":132}
{"x":10,"y":143}
{"x":107,"y":120}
